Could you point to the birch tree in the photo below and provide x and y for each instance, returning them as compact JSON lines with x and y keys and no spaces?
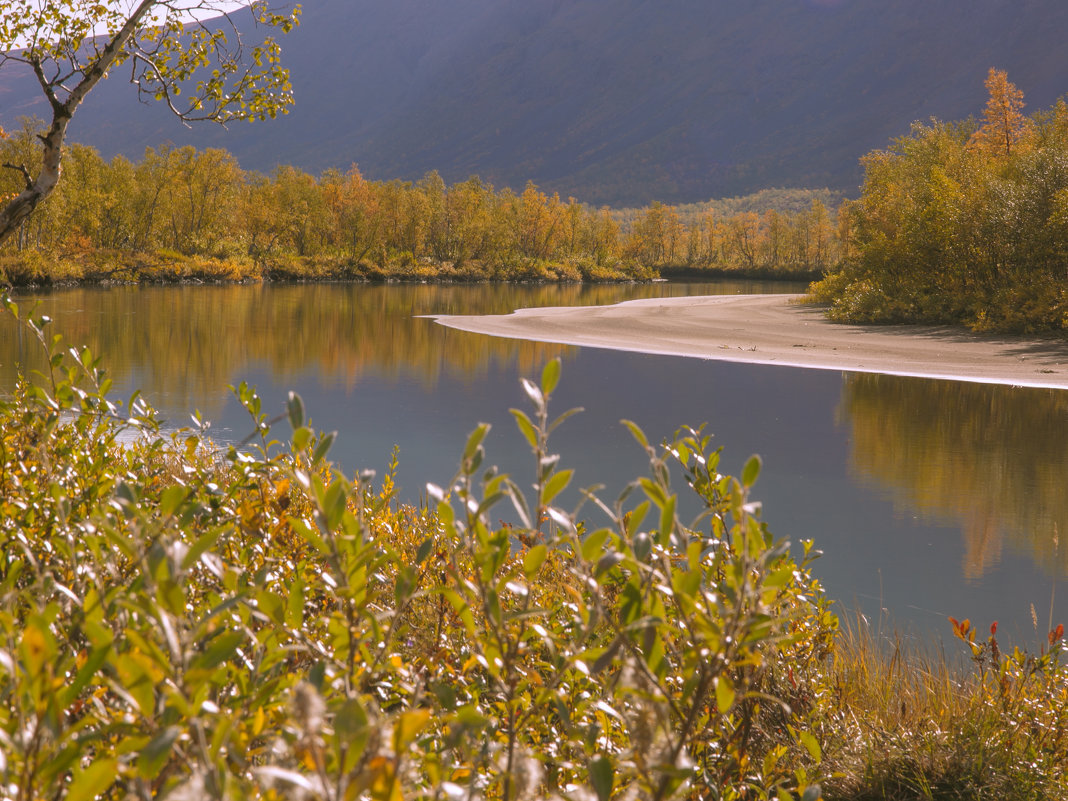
{"x":189,"y":54}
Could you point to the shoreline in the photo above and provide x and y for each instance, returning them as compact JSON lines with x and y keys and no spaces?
{"x":778,"y":330}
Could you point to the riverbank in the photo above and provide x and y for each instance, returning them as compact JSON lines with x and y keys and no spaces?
{"x":36,"y":270}
{"x":781,"y":330}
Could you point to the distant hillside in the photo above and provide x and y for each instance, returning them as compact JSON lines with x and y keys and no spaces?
{"x":614,"y":101}
{"x":784,"y":201}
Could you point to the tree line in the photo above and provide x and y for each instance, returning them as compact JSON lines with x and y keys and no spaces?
{"x":185,"y":204}
{"x":962,"y":222}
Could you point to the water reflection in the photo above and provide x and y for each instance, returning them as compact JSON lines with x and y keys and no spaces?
{"x":985,"y":459}
{"x":991,"y":458}
{"x":187,"y":342}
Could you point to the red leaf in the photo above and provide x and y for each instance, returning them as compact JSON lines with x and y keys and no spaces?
{"x":1056,"y":634}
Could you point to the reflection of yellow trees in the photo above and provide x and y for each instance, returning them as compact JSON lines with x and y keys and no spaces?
{"x":993,"y":457}
{"x":190,"y":341}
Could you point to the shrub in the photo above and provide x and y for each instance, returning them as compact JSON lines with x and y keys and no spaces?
{"x":181,"y":619}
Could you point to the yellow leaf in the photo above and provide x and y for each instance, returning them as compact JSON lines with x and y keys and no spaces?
{"x":408,"y":726}
{"x":384,"y":784}
{"x":724,"y":694}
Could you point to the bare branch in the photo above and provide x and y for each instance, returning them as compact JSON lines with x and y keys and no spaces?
{"x":21,"y":168}
{"x":46,"y":85}
{"x":163,"y":92}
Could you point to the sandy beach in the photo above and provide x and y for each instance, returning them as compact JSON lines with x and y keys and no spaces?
{"x":777,"y":330}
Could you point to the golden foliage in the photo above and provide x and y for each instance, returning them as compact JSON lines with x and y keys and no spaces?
{"x":1004,"y":124}
{"x":959,"y":225}
{"x":201,"y":207}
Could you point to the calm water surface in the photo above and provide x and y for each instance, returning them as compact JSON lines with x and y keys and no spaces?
{"x":930,"y":498}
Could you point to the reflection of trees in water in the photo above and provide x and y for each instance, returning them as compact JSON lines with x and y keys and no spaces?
{"x":993,"y":457}
{"x":188,"y":342}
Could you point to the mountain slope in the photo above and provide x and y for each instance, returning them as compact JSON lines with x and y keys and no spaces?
{"x":614,"y":101}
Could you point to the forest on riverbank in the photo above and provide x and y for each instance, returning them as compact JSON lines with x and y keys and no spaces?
{"x":183,"y":214}
{"x":962,"y":222}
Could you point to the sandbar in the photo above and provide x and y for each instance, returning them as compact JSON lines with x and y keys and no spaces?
{"x":779,"y":330}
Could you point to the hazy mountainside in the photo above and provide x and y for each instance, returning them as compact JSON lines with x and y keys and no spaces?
{"x":784,"y":201}
{"x":613,"y":101}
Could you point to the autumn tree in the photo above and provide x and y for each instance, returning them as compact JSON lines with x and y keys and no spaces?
{"x":813,"y":236}
{"x":743,"y":231}
{"x":470,"y":208}
{"x":1003,"y":121}
{"x":189,"y":55}
{"x":204,"y":189}
{"x":656,"y":236}
{"x":773,"y":245}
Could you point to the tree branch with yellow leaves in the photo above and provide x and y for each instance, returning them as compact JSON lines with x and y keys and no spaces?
{"x":189,"y":54}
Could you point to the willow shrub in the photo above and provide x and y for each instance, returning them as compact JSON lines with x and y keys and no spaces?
{"x":180,"y":620}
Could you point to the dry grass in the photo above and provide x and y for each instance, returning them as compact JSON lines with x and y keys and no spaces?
{"x":916,"y":722}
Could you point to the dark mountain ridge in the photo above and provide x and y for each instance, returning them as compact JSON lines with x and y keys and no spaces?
{"x":612,"y":101}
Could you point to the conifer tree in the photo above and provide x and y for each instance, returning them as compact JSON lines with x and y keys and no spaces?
{"x":1003,"y":121}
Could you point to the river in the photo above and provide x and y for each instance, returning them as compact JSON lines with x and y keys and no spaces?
{"x":930,"y":498}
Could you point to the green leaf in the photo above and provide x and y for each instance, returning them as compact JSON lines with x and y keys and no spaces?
{"x":593,"y":545}
{"x":751,"y":471}
{"x":85,"y":674}
{"x":667,"y":518}
{"x":351,"y":726}
{"x":475,"y":440}
{"x":301,"y":437}
{"x":91,"y":782}
{"x":155,"y":755}
{"x":812,"y":745}
{"x":550,"y":376}
{"x":526,"y":427}
{"x":781,"y":577}
{"x":200,"y":547}
{"x":654,"y":491}
{"x":643,"y":546}
{"x":310,"y":534}
{"x":171,"y":498}
{"x":351,"y":719}
{"x":271,"y":605}
{"x":534,"y":559}
{"x":461,"y":608}
{"x":607,"y":562}
{"x":635,"y":517}
{"x":295,"y":602}
{"x":602,"y":776}
{"x":324,"y":445}
{"x":556,"y":423}
{"x":555,"y":485}
{"x":222,"y":648}
{"x":337,"y":496}
{"x":636,"y":432}
{"x":295,"y":410}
